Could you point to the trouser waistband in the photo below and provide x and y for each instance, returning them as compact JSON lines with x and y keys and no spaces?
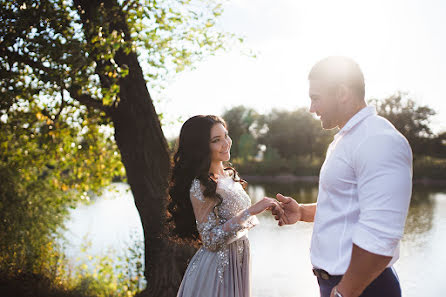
{"x":321,"y":273}
{"x":385,"y":285}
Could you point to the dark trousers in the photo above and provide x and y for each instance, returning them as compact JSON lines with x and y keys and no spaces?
{"x":385,"y":285}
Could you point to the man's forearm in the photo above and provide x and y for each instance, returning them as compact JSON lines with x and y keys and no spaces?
{"x":308,"y":212}
{"x":364,"y":268}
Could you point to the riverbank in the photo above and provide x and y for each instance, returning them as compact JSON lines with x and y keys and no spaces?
{"x":289,"y":178}
{"x":426,"y":170}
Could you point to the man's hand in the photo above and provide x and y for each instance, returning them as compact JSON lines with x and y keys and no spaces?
{"x":363,"y":269}
{"x":290,"y":213}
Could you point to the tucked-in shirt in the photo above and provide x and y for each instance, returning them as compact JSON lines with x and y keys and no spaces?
{"x":365,"y":187}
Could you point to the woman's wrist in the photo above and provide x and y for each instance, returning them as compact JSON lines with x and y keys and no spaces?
{"x":246,"y":214}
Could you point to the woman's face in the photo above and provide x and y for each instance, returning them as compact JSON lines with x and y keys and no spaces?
{"x":220,"y":143}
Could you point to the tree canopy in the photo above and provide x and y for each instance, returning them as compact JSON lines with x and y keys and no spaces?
{"x":59,"y":76}
{"x":75,"y":101}
{"x":295,"y":133}
{"x":412,"y":120}
{"x":242,"y":123}
{"x":294,"y":142}
{"x":61,"y":71}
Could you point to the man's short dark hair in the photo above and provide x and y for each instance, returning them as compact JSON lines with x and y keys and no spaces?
{"x":339,"y":70}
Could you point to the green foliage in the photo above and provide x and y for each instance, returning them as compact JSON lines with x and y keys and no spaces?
{"x":242,"y":124}
{"x":104,"y":276}
{"x":31,"y":214}
{"x":289,"y":133}
{"x":61,"y":74}
{"x":247,"y":146}
{"x":295,"y":133}
{"x":412,"y":120}
{"x":54,"y":45}
{"x":427,"y":167}
{"x":437,"y":146}
{"x":273,"y":164}
{"x":47,"y":164}
{"x":98,"y":276}
{"x":173,"y":35}
{"x":74,"y":154}
{"x":293,"y":142}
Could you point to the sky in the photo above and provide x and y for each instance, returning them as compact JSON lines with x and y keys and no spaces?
{"x":400,"y":46}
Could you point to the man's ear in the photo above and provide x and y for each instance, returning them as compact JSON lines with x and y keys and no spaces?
{"x":342,"y":93}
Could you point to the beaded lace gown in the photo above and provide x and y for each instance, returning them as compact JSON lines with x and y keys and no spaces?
{"x":221,"y":267}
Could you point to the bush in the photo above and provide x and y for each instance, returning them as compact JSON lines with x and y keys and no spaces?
{"x":273,"y":164}
{"x":32,"y":213}
{"x":429,"y":168}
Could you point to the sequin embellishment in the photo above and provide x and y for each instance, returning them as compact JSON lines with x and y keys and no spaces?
{"x":232,"y":219}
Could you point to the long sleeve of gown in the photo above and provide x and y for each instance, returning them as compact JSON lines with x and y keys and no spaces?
{"x":215,"y":233}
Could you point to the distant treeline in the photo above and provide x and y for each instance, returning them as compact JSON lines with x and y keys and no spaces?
{"x":293,"y":142}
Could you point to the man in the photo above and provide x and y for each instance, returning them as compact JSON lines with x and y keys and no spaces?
{"x":365,"y":187}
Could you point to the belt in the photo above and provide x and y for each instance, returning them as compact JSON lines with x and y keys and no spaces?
{"x":320,"y":273}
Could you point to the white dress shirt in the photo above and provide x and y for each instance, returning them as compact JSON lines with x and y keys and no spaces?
{"x":365,"y":187}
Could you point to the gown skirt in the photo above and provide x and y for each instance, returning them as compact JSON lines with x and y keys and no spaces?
{"x":207,"y":277}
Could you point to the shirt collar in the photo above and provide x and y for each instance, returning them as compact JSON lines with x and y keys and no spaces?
{"x":357,"y":118}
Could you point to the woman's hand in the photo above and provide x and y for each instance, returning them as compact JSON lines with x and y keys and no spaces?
{"x":265,"y":204}
{"x":290,"y":213}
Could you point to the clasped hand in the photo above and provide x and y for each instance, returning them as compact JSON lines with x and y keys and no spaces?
{"x":286,"y":211}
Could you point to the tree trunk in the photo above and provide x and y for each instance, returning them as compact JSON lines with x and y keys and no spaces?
{"x":145,"y":157}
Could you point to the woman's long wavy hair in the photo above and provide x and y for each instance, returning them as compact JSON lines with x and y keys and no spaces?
{"x":192,"y":160}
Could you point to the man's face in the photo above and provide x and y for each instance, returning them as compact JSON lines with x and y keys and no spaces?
{"x":324,"y":103}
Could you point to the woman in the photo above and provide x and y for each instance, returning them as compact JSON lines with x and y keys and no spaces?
{"x":209,"y":205}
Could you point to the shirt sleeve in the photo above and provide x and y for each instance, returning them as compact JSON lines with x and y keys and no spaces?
{"x":214,"y":234}
{"x":383,"y":165}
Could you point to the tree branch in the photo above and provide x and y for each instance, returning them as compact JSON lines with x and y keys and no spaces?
{"x":73,"y":90}
{"x":87,"y":100}
{"x":62,"y":103}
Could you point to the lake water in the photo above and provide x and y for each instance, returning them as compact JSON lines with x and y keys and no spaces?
{"x":280,"y":255}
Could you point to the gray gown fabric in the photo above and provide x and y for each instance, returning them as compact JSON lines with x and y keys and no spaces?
{"x":221,"y":267}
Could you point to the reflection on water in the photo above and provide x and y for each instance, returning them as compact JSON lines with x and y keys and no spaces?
{"x":302,"y":192}
{"x":110,"y":223}
{"x":281,"y":264}
{"x":421,"y":213}
{"x":280,"y":255}
{"x":419,"y":220}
